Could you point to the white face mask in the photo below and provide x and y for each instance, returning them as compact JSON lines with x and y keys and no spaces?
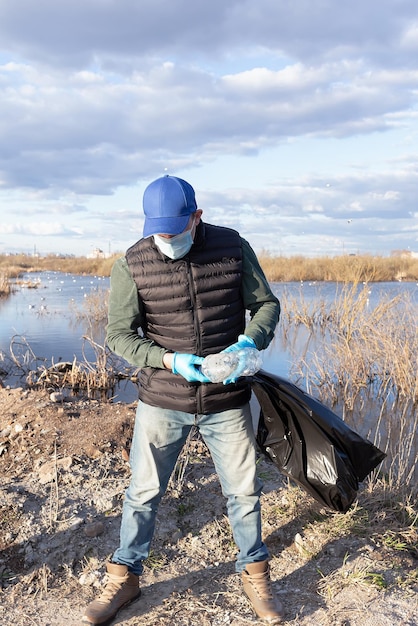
{"x":175,"y":247}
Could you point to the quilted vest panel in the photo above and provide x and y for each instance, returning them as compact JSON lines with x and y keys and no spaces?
{"x":191,"y":305}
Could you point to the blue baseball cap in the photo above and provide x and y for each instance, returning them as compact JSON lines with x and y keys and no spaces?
{"x":168,"y":203}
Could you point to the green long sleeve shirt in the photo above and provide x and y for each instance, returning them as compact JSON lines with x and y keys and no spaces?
{"x":126,"y":314}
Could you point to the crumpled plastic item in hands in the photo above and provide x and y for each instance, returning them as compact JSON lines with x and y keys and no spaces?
{"x":227,"y":367}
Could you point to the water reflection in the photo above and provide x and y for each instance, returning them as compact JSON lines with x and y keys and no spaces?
{"x":41,"y":309}
{"x":47,"y":319}
{"x":323,"y":343}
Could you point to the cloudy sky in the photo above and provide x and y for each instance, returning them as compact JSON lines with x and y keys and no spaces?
{"x":296,"y":121}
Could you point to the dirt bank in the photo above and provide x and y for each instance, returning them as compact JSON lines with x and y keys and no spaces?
{"x":63,"y":472}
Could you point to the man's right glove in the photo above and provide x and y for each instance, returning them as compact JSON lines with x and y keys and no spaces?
{"x":187,"y":365}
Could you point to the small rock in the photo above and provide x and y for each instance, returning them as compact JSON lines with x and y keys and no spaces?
{"x":48,"y":470}
{"x":336,"y":550}
{"x":88,"y":579}
{"x":300,"y":544}
{"x":29,"y":555}
{"x":4,"y":446}
{"x":177,"y":534}
{"x":93,"y":451}
{"x":94,"y":529}
{"x":76,"y":522}
{"x":57,"y":396}
{"x":105,"y":501}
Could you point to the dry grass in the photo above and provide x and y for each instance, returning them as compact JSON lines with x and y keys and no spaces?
{"x":94,"y":307}
{"x":361,"y":573}
{"x":344,"y":268}
{"x":17,"y":264}
{"x":96,"y":375}
{"x":362,"y":360}
{"x":13,"y":266}
{"x":389,"y":524}
{"x":95,"y":378}
{"x":5,"y":287}
{"x":359,"y":359}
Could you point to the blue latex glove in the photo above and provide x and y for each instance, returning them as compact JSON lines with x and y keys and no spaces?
{"x":187,"y":365}
{"x":243,"y":342}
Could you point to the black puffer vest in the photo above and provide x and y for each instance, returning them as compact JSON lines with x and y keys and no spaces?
{"x":191,"y":305}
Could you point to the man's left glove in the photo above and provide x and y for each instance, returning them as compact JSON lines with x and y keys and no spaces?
{"x":243,"y":342}
{"x":188,"y":366}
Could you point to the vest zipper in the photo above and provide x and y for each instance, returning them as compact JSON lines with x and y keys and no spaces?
{"x":199,"y":403}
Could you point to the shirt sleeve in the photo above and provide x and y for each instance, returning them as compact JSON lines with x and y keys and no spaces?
{"x":125,"y":319}
{"x":259,"y":300}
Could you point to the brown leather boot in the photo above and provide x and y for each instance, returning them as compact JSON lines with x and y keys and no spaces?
{"x":121,"y":589}
{"x":257,"y":586}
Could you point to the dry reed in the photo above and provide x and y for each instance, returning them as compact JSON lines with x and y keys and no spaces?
{"x":343,"y":268}
{"x":17,"y":264}
{"x":5,"y":287}
{"x":362,"y":360}
{"x":359,"y":359}
{"x":96,"y":375}
{"x":93,"y":378}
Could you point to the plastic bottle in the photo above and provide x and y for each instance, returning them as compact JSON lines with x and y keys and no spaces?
{"x":218,"y":367}
{"x":252,"y":361}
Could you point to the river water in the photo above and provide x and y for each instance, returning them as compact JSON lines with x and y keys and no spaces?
{"x":44,"y":319}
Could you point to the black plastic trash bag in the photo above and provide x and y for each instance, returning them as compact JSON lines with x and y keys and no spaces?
{"x":311,"y":444}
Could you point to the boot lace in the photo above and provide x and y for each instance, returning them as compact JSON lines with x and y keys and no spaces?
{"x":113,"y":585}
{"x":262,"y":586}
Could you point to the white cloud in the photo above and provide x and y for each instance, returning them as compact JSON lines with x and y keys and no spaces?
{"x":92,"y":135}
{"x":37,"y":229}
{"x":275,"y":109}
{"x":409,"y":38}
{"x":80,"y":32}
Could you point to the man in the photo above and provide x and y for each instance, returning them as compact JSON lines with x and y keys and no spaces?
{"x":179,"y":294}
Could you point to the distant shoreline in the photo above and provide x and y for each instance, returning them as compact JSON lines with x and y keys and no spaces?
{"x":346,"y":268}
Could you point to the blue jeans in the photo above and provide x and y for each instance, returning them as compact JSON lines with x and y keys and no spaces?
{"x":158,"y":438}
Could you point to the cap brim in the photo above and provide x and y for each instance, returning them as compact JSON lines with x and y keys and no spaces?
{"x":165,"y":225}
